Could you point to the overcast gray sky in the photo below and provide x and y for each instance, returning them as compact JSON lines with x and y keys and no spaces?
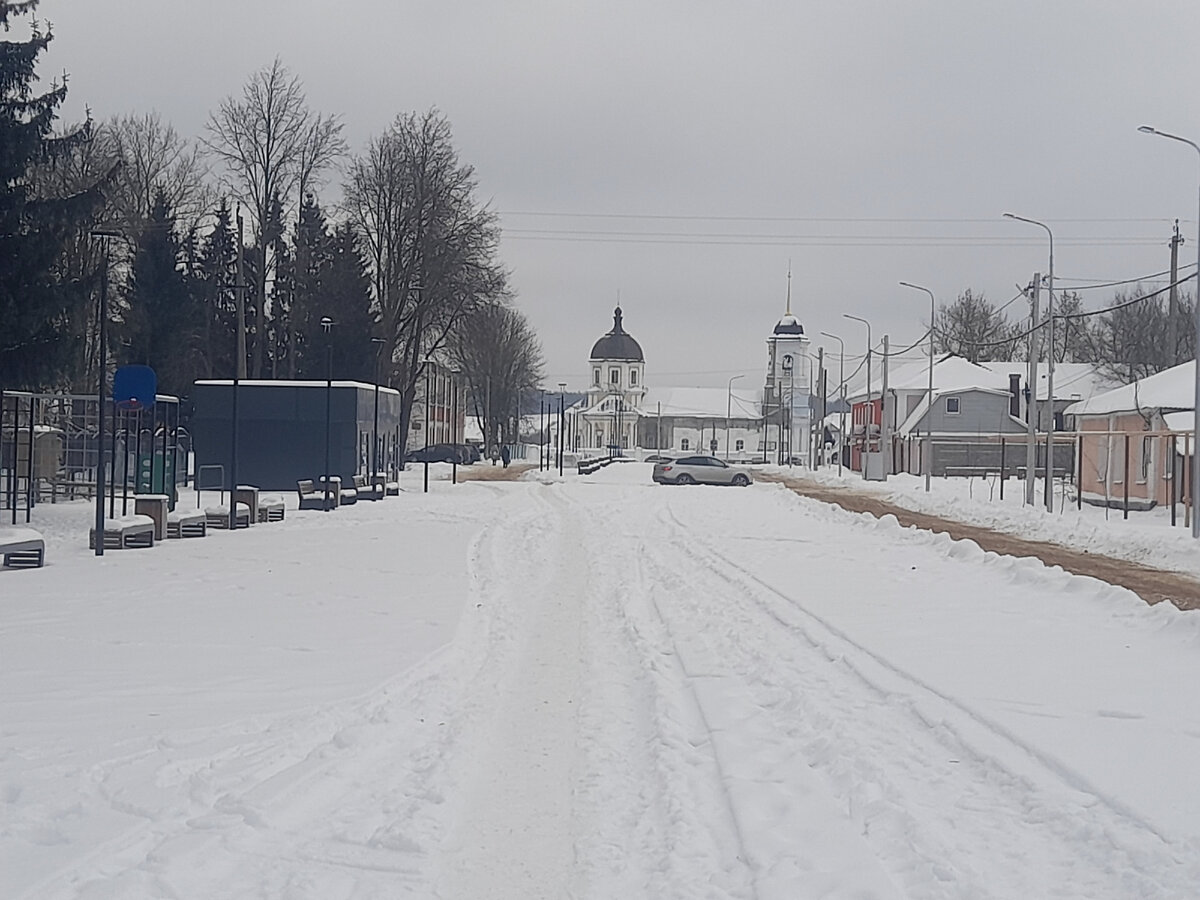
{"x":681,"y":153}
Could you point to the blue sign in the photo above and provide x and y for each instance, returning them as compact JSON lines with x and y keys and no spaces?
{"x":134,"y":387}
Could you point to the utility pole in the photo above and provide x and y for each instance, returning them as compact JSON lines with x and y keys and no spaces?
{"x":1173,"y":299}
{"x":885,"y":421}
{"x":1031,"y":402}
{"x":821,"y":388}
{"x":239,"y":373}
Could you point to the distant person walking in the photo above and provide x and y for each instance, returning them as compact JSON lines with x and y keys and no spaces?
{"x":505,"y":455}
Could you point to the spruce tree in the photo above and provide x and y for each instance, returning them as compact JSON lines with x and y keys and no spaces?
{"x":166,"y":315}
{"x":35,"y":304}
{"x":216,"y":270}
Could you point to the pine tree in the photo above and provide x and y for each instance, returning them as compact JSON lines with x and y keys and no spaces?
{"x":166,"y":315}
{"x":330,"y":279}
{"x":216,"y":270}
{"x":35,"y":304}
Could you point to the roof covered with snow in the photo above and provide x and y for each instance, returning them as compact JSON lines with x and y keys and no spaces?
{"x":1072,"y":381}
{"x":1169,"y":390}
{"x":703,"y":402}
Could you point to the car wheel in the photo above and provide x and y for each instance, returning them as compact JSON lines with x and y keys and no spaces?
{"x":685,"y":479}
{"x":741,"y":479}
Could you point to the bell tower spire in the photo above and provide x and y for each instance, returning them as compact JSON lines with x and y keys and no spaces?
{"x":789,"y":289}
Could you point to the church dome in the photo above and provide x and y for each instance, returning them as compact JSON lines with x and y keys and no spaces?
{"x":789,"y":324}
{"x":617,"y":344}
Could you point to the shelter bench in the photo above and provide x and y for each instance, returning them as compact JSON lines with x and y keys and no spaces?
{"x":124,"y":532}
{"x":185,"y":524}
{"x":311,"y":498}
{"x":22,"y":548}
{"x":218,"y":516}
{"x":367,"y":491}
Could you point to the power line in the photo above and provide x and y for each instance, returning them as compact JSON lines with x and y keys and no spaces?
{"x":786,"y":240}
{"x":882,"y":219}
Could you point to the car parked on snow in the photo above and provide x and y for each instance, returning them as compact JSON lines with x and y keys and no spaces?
{"x":699,"y":470}
{"x":463,"y":454}
{"x":658,"y":458}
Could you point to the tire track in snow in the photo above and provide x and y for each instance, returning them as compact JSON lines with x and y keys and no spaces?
{"x":1071,"y":841}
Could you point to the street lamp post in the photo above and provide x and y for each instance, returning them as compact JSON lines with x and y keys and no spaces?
{"x":1146,"y":129}
{"x":788,"y":366}
{"x":729,"y":410}
{"x":870,"y":412}
{"x":1049,"y":362}
{"x":927,"y":452}
{"x":375,"y":426}
{"x":102,"y":338}
{"x":326,"y":327}
{"x":842,"y":393}
{"x":428,"y":421}
{"x":562,"y":419}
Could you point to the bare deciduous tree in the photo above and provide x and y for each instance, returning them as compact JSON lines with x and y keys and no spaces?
{"x":972,"y":327}
{"x":273,"y":147}
{"x":155,"y":161}
{"x":430,"y":247}
{"x":501,"y":360}
{"x":1128,"y":340}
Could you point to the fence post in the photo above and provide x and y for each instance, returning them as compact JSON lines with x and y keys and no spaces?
{"x":1174,"y":481}
{"x":1125,"y":483}
{"x":1079,"y":473}
{"x":1186,"y":481}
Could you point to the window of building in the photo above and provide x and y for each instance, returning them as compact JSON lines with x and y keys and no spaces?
{"x":740,"y":446}
{"x":596,"y":376}
{"x":614,"y":375}
{"x":633,"y":377}
{"x":685,"y":444}
{"x":952,"y":406}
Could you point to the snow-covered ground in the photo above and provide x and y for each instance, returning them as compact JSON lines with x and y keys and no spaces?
{"x":1145,"y":537}
{"x":591,"y":688}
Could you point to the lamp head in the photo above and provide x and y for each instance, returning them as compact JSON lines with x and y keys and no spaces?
{"x":1146,"y":129}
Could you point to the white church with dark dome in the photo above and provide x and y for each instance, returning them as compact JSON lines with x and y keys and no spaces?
{"x":622,"y":414}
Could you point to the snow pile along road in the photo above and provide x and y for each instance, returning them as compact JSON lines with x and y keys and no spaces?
{"x":593,"y":688}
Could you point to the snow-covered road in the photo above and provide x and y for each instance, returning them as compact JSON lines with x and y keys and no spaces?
{"x":594,"y":689}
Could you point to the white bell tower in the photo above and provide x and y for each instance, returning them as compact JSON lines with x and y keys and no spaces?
{"x":788,"y":386}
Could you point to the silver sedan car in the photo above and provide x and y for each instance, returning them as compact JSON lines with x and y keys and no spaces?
{"x":699,"y":470}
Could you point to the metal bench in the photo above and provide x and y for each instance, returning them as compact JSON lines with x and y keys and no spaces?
{"x":125,"y":532}
{"x":22,"y":548}
{"x":192,"y":523}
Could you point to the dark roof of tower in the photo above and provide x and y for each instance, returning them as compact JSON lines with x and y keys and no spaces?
{"x":617,"y":344}
{"x":789,"y":324}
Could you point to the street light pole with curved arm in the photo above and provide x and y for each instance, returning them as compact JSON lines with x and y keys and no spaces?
{"x":870,"y":414}
{"x":842,"y":396}
{"x":1146,"y":129}
{"x":1049,"y":363}
{"x":927,"y":453}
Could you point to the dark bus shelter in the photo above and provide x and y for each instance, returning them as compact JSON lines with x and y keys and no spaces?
{"x":281,"y":431}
